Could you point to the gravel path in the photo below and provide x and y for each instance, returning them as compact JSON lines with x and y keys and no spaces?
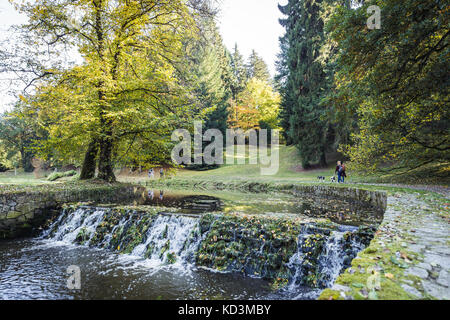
{"x":444,"y":190}
{"x":413,"y":242}
{"x":427,"y":234}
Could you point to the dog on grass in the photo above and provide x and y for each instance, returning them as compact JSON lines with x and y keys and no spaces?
{"x":321,"y":178}
{"x":333,"y":179}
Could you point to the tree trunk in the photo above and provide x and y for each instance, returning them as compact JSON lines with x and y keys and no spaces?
{"x":105,"y":168}
{"x":26,"y":160}
{"x":323,"y":159}
{"x":88,"y":169}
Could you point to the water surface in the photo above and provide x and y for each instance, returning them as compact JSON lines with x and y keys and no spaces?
{"x":36,"y":269}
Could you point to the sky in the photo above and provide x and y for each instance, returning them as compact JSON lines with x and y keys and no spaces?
{"x":252,"y":24}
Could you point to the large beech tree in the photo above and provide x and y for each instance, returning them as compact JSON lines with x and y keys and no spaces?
{"x":126,"y":89}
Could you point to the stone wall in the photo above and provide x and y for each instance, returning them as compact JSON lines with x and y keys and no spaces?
{"x":375,"y":200}
{"x":26,"y":208}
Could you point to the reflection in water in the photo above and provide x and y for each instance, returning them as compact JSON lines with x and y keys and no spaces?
{"x":278,"y":204}
{"x":185,"y":203}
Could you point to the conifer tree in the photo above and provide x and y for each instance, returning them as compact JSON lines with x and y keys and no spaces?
{"x":257,"y":68}
{"x":303,"y":115}
{"x":239,"y":72}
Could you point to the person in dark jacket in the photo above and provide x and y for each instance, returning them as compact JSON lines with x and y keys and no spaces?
{"x":343,"y":174}
{"x":338,"y":171}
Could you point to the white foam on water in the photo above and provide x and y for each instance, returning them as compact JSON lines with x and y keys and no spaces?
{"x":170,"y":235}
{"x":167,"y":235}
{"x":330,"y":261}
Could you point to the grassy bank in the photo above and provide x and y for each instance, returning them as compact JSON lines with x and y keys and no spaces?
{"x":290,"y":172}
{"x":240,"y":176}
{"x":21,"y":178}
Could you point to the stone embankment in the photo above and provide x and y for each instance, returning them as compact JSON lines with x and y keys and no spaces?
{"x":409,"y":258}
{"x":22,"y":209}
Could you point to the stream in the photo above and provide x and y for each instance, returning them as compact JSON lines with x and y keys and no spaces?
{"x":161,"y":262}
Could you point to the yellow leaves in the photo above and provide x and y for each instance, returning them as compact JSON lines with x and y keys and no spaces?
{"x":257,"y":102}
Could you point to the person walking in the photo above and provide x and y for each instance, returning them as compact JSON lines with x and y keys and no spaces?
{"x":151,"y":174}
{"x":161,"y":173}
{"x":338,"y":171}
{"x":343,"y":174}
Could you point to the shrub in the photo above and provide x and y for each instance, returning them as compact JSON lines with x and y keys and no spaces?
{"x":56,"y":175}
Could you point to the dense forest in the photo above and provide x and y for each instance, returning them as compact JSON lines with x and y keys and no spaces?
{"x":378,"y":96}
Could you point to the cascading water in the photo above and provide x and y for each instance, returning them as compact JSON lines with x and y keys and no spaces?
{"x":314,"y":261}
{"x":322,"y":257}
{"x":255,"y":251}
{"x":167,"y":239}
{"x":170,"y":239}
{"x":69,"y":226}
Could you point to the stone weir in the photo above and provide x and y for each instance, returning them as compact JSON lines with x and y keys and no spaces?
{"x":24,"y":209}
{"x":287,"y":252}
{"x":374,"y":200}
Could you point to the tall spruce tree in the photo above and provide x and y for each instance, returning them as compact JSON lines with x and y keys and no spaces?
{"x":281,"y":79}
{"x":303,"y":115}
{"x":210,"y":75}
{"x":239,"y":72}
{"x":257,"y":68}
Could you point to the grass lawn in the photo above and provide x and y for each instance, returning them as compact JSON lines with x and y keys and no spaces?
{"x":289,"y":172}
{"x":288,"y":161}
{"x":22,"y":178}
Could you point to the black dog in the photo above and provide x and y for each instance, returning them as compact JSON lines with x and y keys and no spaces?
{"x":333,"y":179}
{"x":321,"y":178}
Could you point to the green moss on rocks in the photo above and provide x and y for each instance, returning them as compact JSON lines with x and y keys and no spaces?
{"x":250,"y":245}
{"x":375,"y":262}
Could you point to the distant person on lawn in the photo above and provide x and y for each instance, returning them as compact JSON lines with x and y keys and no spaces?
{"x":161,"y":173}
{"x":343,"y":174}
{"x":151,"y":174}
{"x":338,"y":171}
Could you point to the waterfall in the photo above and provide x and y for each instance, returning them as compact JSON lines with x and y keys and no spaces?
{"x":170,"y":239}
{"x":69,"y":226}
{"x":321,"y":258}
{"x":320,"y":254}
{"x":167,"y":239}
{"x":336,"y":257}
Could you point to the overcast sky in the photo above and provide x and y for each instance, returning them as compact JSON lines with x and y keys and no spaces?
{"x":252,"y":24}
